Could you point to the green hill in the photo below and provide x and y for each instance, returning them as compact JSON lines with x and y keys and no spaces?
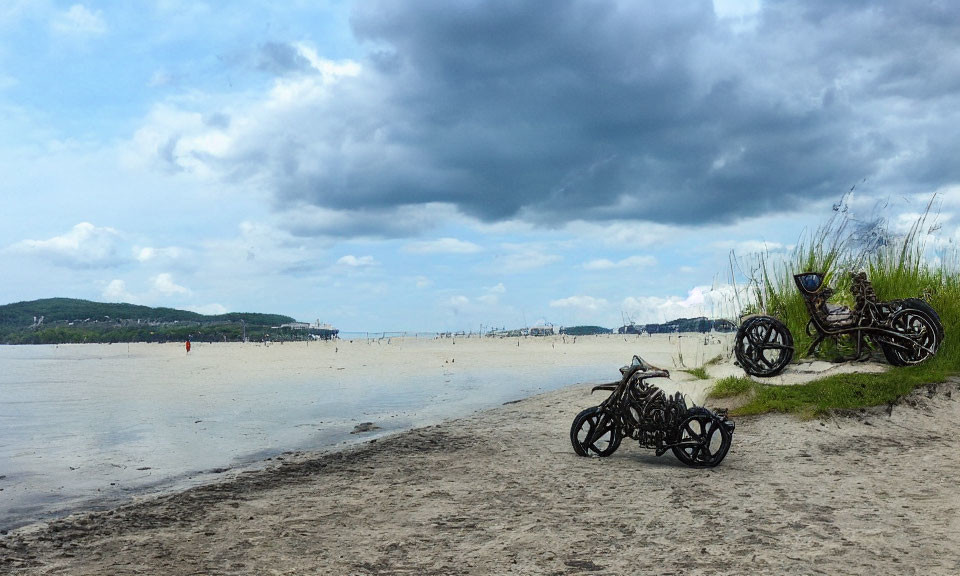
{"x":62,"y":320}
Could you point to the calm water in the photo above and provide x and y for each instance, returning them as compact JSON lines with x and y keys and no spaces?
{"x":85,"y":427}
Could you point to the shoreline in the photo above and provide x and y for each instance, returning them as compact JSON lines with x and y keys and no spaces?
{"x":88,"y":426}
{"x":502,"y":492}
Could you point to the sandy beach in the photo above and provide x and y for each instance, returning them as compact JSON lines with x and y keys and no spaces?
{"x":501,"y":492}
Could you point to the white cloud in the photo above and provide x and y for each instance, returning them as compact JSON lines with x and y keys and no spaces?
{"x":443,"y":246}
{"x":719,"y":302}
{"x":632,"y":235}
{"x":522,"y":258}
{"x":147,"y":253}
{"x":905,"y":222}
{"x":631,"y":262}
{"x":79,"y":21}
{"x":164,"y":284}
{"x":585,"y":303}
{"x":329,"y":69}
{"x":84,"y":246}
{"x":116,"y":291}
{"x":183,"y":142}
{"x":178,"y":141}
{"x":213,"y":309}
{"x":747,"y":247}
{"x":355,"y":262}
{"x":457,"y":302}
{"x":492,"y":296}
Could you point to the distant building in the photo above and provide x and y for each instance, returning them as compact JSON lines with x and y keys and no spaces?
{"x":630,"y":328}
{"x":317,"y":331}
{"x":324,"y":332}
{"x":544,"y":330}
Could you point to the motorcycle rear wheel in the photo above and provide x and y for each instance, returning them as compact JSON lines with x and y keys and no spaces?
{"x":923,"y":306}
{"x":920,"y":327}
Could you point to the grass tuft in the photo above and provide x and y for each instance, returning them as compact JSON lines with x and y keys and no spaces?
{"x":698,"y":373}
{"x":715,"y":360}
{"x":732,"y":386}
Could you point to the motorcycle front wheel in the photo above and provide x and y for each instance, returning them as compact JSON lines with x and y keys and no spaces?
{"x":595,"y":433}
{"x":763,"y":346}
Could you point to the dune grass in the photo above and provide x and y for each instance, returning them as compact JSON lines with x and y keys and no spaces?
{"x":699,"y":373}
{"x":897,"y":268}
{"x":838,"y":392}
{"x":732,"y":386}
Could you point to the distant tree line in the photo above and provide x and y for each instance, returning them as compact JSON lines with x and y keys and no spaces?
{"x":585,"y":330}
{"x":700,"y":324}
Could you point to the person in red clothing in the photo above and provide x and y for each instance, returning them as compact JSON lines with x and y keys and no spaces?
{"x":188,"y":346}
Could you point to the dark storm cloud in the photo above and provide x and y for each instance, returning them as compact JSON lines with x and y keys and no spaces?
{"x":610,"y":110}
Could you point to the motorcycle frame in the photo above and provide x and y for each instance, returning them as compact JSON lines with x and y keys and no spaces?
{"x":616,"y":403}
{"x":868,"y":323}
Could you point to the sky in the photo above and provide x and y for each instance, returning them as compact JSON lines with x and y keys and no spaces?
{"x":435,"y":165}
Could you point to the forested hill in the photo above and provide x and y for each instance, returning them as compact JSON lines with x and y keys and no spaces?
{"x":60,"y":320}
{"x":24,"y":314}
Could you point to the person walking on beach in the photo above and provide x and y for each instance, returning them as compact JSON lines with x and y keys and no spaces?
{"x":188,"y":346}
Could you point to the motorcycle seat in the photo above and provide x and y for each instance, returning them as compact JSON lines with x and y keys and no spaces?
{"x":837,"y":315}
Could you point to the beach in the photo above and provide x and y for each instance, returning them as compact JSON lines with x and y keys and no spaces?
{"x":501,"y":491}
{"x":85,"y":427}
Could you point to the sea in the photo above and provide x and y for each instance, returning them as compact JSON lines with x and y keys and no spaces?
{"x":86,"y":427}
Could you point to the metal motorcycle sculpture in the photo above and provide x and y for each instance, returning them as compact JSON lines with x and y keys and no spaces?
{"x":907,"y":331}
{"x":697,"y":436}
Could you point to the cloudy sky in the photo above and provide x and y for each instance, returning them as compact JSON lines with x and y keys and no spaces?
{"x":438,"y":165}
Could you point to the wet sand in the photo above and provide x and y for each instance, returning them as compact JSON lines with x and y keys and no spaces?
{"x":502,"y":492}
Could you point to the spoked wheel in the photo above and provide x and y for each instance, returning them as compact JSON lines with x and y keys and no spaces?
{"x":926,"y":308}
{"x":764,"y":346}
{"x":595,"y":433}
{"x":703,"y":440}
{"x":921,"y":337}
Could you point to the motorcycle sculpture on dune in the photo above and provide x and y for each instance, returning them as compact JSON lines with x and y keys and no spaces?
{"x":697,"y":436}
{"x":907,"y":331}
